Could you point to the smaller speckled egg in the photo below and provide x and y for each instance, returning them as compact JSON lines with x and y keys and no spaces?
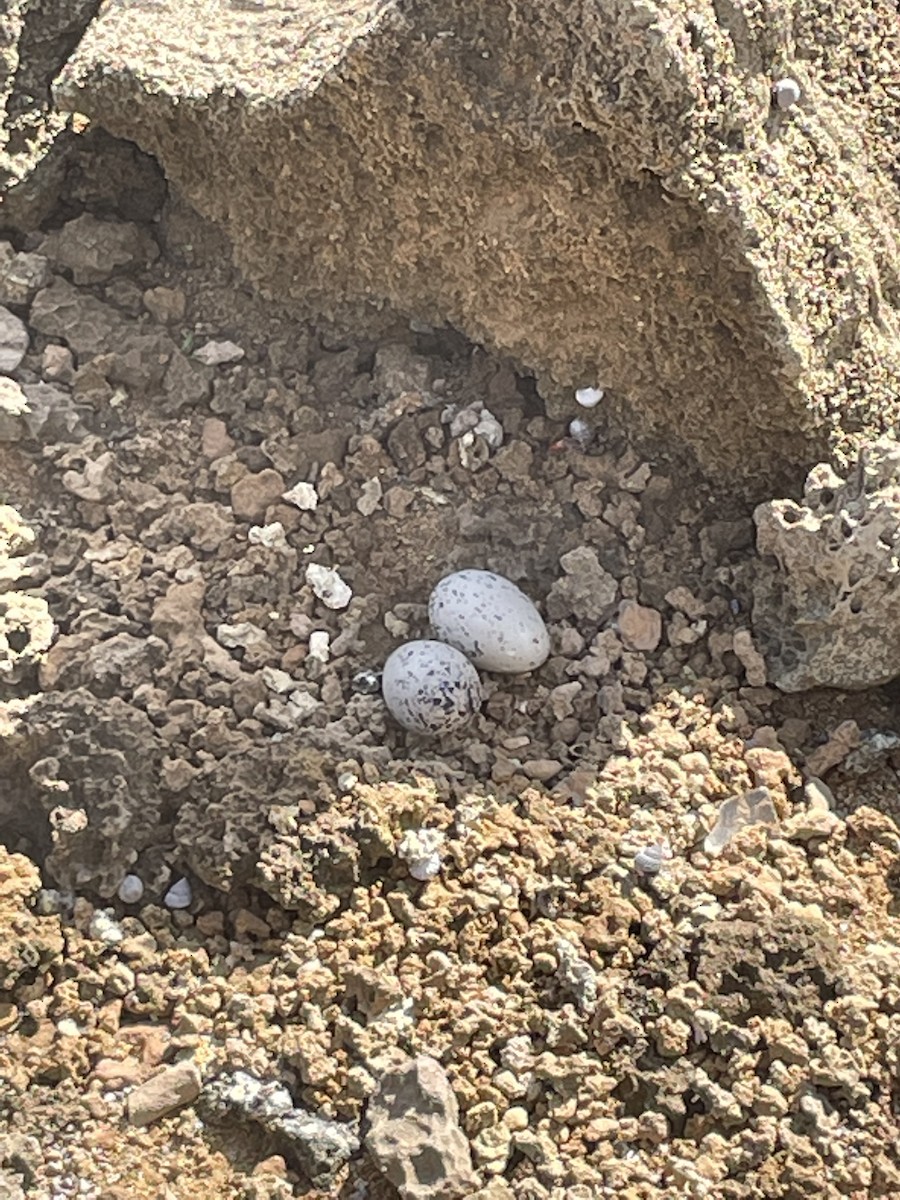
{"x":430,"y":687}
{"x":490,"y":620}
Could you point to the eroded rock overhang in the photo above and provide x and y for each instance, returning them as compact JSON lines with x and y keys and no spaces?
{"x":604,"y":191}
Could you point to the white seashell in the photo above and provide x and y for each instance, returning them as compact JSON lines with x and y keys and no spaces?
{"x":787,"y":92}
{"x":580,"y":430}
{"x":429,"y":687}
{"x":179,"y":895}
{"x":490,"y":620}
{"x":649,"y":861}
{"x":589,"y":397}
{"x":131,"y":889}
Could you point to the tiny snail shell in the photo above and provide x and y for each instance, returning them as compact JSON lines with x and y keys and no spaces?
{"x":787,"y":93}
{"x":649,"y":861}
{"x":131,"y":889}
{"x":581,"y":431}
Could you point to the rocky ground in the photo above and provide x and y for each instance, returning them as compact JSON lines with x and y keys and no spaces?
{"x":218,"y":975}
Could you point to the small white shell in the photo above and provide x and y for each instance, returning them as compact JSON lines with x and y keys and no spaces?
{"x":649,"y":861}
{"x":589,"y":397}
{"x":490,"y":620}
{"x":179,"y":895}
{"x":430,"y":688}
{"x":787,"y":92}
{"x":131,"y":889}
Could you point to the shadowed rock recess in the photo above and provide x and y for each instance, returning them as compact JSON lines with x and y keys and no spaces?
{"x":605,"y":192}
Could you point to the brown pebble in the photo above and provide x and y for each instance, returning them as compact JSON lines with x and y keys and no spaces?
{"x":151,"y":1041}
{"x":542,"y":768}
{"x":171,"y":1089}
{"x":252,"y":495}
{"x":273,"y":1165}
{"x":119,"y":1071}
{"x":639,"y":627}
{"x":165,"y":305}
{"x":293,"y":657}
{"x":211,"y":923}
{"x":214,"y":441}
{"x":248,"y":924}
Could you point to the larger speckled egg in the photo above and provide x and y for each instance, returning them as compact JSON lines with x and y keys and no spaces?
{"x":490,"y":620}
{"x":430,"y":688}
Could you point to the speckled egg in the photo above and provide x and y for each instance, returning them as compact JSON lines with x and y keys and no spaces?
{"x":490,"y":620}
{"x":430,"y":688}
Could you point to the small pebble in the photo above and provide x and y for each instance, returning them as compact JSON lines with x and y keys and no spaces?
{"x":168,"y":1090}
{"x":736,"y":813}
{"x":215,"y":354}
{"x":304,"y":496}
{"x":271,"y":536}
{"x":105,"y":928}
{"x":278,"y":681}
{"x":13,"y":341}
{"x":49,"y":902}
{"x":179,"y":895}
{"x":420,"y":850}
{"x":649,"y":861}
{"x":319,"y":645}
{"x":328,"y":586}
{"x":366,"y":683}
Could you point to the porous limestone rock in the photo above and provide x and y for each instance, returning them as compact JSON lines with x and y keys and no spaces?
{"x":608,"y":194}
{"x":28,"y":943}
{"x":414,"y":1133}
{"x":76,"y":755}
{"x":827,"y":601}
{"x":26,"y":633}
